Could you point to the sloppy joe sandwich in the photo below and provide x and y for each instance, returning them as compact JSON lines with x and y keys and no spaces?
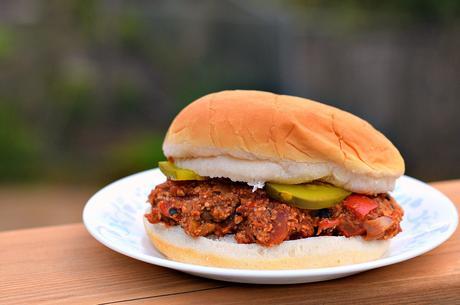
{"x":257,"y":180}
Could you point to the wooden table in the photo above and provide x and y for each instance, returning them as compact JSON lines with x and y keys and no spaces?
{"x":65,"y":265}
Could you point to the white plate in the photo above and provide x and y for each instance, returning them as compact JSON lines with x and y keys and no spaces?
{"x":114,"y":217}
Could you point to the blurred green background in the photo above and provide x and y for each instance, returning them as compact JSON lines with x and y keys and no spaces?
{"x":88,"y":88}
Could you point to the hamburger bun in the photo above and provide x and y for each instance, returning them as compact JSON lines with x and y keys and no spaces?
{"x":312,"y":252}
{"x":256,"y":136}
{"x":259,"y":137}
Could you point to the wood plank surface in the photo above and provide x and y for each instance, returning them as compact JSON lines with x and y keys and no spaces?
{"x":65,"y":265}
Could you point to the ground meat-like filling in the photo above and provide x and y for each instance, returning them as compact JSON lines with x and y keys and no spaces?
{"x":220,"y":206}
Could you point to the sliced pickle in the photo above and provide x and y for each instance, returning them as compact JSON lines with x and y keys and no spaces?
{"x":307,"y":196}
{"x":173,"y":172}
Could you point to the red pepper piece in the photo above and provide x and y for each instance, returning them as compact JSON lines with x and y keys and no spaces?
{"x":327,"y":223}
{"x":360,"y":205}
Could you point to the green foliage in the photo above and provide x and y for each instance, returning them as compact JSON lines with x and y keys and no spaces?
{"x":128,"y":98}
{"x":74,"y":94}
{"x":6,"y":42}
{"x":19,"y":148}
{"x":136,"y":153}
{"x":73,"y":100}
{"x":440,"y":11}
{"x":132,"y":30}
{"x":85,"y":14}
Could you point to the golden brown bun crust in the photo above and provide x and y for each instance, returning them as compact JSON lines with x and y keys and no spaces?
{"x":264,"y":126}
{"x":313,"y":252}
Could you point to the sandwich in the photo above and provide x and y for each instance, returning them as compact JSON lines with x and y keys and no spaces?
{"x":256,"y":180}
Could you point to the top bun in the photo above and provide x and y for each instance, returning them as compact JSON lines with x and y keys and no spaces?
{"x":256,"y":136}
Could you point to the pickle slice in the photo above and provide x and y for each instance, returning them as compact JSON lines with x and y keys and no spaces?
{"x":311,"y":196}
{"x":173,"y":172}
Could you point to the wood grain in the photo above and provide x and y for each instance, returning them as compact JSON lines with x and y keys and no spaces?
{"x":65,"y":265}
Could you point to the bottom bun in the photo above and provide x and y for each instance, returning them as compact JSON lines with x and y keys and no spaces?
{"x":312,"y":252}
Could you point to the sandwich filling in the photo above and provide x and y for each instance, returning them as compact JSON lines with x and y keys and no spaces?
{"x":217,"y":207}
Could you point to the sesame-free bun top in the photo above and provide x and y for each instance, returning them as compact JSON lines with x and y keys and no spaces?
{"x":257,"y":136}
